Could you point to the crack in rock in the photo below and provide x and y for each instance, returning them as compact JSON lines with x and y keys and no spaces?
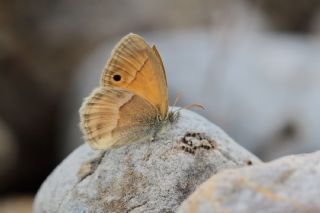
{"x":89,"y":167}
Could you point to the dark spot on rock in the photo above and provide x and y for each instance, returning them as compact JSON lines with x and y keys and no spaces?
{"x":206,"y":147}
{"x":284,"y":176}
{"x":184,"y":140}
{"x":190,"y":150}
{"x":191,"y":142}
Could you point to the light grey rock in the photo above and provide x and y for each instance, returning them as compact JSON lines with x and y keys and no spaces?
{"x":144,"y":176}
{"x":290,"y":184}
{"x":262,"y":89}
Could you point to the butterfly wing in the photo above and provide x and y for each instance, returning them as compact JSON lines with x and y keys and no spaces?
{"x":138,"y":68}
{"x":112,"y":117}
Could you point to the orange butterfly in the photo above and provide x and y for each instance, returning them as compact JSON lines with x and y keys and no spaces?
{"x":132,"y":100}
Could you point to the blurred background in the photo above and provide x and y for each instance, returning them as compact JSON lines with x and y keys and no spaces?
{"x":254,"y":65}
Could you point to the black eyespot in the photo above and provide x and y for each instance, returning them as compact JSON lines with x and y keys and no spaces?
{"x":117,"y":77}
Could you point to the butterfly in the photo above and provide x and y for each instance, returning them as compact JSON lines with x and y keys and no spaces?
{"x":131,"y":102}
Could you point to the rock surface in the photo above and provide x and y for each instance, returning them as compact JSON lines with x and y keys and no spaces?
{"x":290,"y":184}
{"x":142,"y":177}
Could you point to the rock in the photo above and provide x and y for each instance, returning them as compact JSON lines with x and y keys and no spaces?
{"x":8,"y":155}
{"x":276,"y":118}
{"x":16,"y":204}
{"x":287,"y":17}
{"x":142,"y":177}
{"x":30,"y":106}
{"x":290,"y":184}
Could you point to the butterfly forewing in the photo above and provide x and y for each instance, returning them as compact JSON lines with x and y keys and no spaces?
{"x":138,"y":68}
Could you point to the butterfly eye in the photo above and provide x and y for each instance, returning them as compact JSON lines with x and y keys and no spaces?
{"x":117,"y":77}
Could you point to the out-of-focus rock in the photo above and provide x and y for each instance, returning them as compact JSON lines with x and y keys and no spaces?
{"x":8,"y":155}
{"x":61,"y":22}
{"x":316,"y":27}
{"x":143,"y":176}
{"x":16,"y":204}
{"x":288,"y":17}
{"x":290,"y":184}
{"x":30,"y":107}
{"x":261,"y":88}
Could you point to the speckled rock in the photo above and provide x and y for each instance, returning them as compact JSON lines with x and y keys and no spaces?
{"x":144,"y":176}
{"x":290,"y":184}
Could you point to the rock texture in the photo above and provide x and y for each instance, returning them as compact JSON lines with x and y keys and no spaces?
{"x":290,"y":184}
{"x":142,"y":177}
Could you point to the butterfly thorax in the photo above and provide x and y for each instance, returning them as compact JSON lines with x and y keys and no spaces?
{"x":161,"y":124}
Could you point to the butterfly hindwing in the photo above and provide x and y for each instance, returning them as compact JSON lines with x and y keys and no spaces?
{"x":112,"y":117}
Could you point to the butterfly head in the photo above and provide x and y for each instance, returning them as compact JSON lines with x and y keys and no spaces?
{"x":173,"y":116}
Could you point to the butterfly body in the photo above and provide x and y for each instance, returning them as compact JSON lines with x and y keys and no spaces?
{"x":132,"y":100}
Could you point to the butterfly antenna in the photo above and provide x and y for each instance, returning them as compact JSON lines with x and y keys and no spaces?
{"x":177,"y":100}
{"x":189,"y":106}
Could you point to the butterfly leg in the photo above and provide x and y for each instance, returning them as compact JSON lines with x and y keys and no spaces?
{"x":154,"y":136}
{"x":154,"y":133}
